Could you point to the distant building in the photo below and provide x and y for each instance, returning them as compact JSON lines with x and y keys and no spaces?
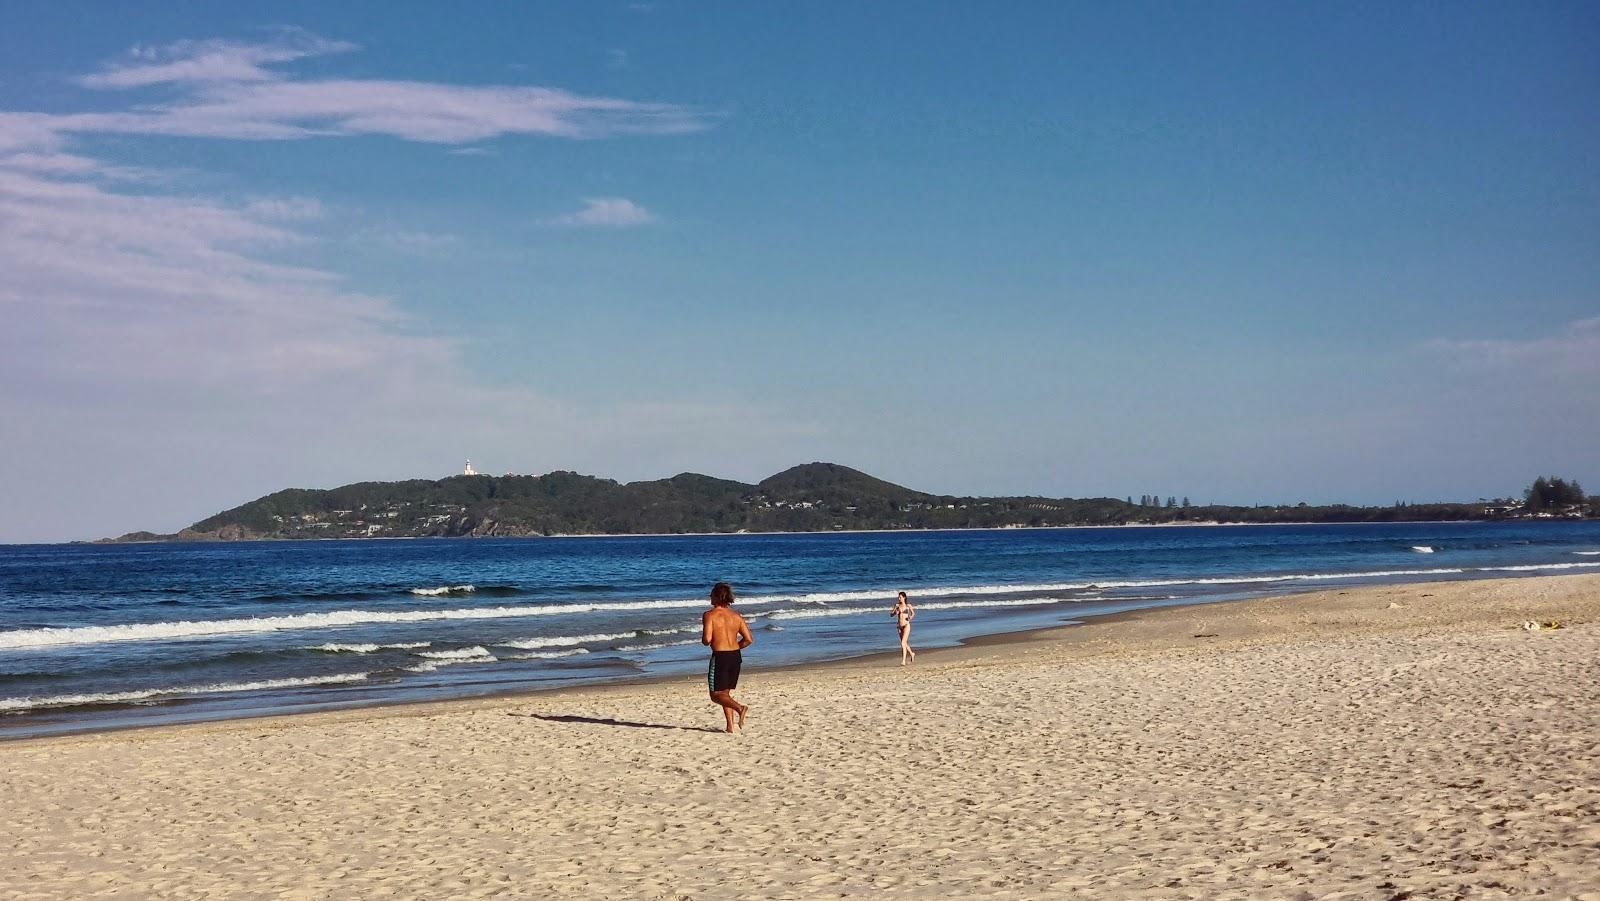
{"x":469,"y":471}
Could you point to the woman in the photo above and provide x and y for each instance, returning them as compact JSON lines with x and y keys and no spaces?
{"x":903,"y":613}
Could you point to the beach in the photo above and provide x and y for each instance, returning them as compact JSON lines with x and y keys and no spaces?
{"x":1376,"y":741}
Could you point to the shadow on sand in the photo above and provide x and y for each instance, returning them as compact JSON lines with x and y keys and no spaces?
{"x":600,"y":721}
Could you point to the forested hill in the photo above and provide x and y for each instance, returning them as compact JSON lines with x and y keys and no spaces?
{"x":813,"y":497}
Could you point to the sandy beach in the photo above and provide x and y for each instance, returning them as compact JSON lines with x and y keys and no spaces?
{"x":1384,"y":742}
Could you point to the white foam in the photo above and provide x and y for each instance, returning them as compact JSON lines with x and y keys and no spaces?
{"x":817,"y":612}
{"x":529,"y":644}
{"x":546,"y":655}
{"x":656,"y":646}
{"x":117,"y":697}
{"x":1534,"y":567}
{"x":445,"y":589}
{"x":333,"y":647}
{"x":473,"y":653}
{"x":52,"y":637}
{"x":1422,"y":548}
{"x":1587,"y":553}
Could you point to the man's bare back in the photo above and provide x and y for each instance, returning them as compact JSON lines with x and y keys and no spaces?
{"x":725,"y":630}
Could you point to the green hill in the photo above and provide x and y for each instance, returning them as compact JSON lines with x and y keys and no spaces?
{"x":808,"y":498}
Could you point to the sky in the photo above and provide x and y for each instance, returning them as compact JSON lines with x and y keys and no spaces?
{"x":1239,"y":252}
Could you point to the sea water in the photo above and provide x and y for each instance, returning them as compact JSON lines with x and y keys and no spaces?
{"x":98,"y":636}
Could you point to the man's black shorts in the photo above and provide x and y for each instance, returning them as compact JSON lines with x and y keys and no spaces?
{"x":723,"y":673}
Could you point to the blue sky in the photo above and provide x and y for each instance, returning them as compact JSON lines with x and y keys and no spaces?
{"x":1239,"y":252}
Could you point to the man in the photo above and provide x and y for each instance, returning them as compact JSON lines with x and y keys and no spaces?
{"x":727,"y":634}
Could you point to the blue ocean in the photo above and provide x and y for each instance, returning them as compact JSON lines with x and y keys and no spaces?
{"x":101,"y":636}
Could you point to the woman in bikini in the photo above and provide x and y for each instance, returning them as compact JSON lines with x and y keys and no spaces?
{"x":903,"y":613}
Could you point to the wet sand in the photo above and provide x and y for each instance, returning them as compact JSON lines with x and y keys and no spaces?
{"x":1366,"y":742}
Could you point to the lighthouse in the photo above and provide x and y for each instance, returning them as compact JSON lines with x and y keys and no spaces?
{"x":469,"y":471}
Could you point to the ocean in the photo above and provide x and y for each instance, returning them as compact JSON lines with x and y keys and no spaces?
{"x":105,"y":636}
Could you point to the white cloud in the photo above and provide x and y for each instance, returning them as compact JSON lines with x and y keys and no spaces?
{"x":225,"y":91}
{"x":1573,"y":350}
{"x":212,"y":61}
{"x":607,"y":212}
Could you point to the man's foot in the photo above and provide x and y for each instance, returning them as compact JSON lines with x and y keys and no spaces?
{"x":744,"y":709}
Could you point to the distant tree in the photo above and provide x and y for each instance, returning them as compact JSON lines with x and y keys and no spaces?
{"x":1186,"y":502}
{"x":1551,"y":494}
{"x":1172,"y":501}
{"x":1130,"y":500}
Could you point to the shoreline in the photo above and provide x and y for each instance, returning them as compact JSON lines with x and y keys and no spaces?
{"x":1088,"y":629}
{"x":1119,"y":525}
{"x":1383,"y":740}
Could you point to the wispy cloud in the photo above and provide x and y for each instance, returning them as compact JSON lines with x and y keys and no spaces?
{"x":212,"y":61}
{"x":1572,"y":350}
{"x":228,"y":90}
{"x":607,"y":212}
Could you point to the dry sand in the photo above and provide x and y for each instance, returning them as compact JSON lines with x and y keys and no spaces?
{"x":1405,"y":741}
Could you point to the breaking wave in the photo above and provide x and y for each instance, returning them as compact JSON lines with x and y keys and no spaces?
{"x":150,"y":694}
{"x":445,"y":589}
{"x":473,"y":653}
{"x":655,"y":646}
{"x":529,"y":644}
{"x":361,"y":648}
{"x":52,"y":637}
{"x":546,"y":655}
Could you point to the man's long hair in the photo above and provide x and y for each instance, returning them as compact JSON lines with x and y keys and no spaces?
{"x":722,"y":594}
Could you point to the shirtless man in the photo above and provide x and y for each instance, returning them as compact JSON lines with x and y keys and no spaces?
{"x":727,"y":634}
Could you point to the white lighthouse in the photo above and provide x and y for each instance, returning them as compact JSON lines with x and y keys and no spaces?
{"x":469,"y":471}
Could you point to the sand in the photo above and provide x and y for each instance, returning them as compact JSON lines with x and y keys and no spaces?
{"x":1406,"y":741}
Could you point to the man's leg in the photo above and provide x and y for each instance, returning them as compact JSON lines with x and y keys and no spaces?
{"x":728,"y":704}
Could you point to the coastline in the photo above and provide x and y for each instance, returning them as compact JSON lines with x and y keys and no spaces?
{"x":1377,"y":739}
{"x":1118,"y":525}
{"x":1086,"y":631}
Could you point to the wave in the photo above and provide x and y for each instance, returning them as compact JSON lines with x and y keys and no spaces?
{"x":124,"y":697}
{"x":361,"y":648}
{"x":472,"y":653}
{"x":816,"y":612}
{"x":1422,"y":548}
{"x":1531,"y":567}
{"x":445,"y":589}
{"x":546,"y":655}
{"x":157,"y":631}
{"x":1587,"y":553}
{"x":655,"y":646}
{"x":529,"y":644}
